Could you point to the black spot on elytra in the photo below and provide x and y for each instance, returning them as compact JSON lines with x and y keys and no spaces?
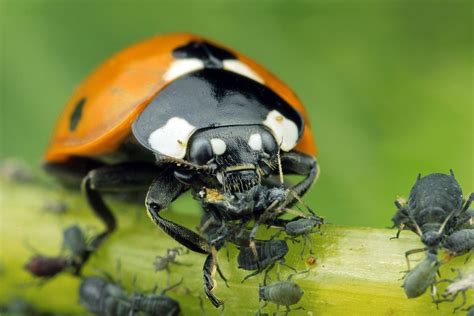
{"x":76,"y":114}
{"x":211,"y":55}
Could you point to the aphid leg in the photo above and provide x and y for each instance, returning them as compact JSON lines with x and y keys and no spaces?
{"x":170,"y":287}
{"x":248,"y":276}
{"x":304,"y":246}
{"x":288,"y":310}
{"x":468,"y":257}
{"x":293,"y":239}
{"x":181,"y":264}
{"x":259,"y":312}
{"x":445,"y":299}
{"x":266,"y":275}
{"x":252,"y":245}
{"x":397,"y":235}
{"x":222,"y":275}
{"x":469,"y":308}
{"x":276,"y":235}
{"x":283,"y":263}
{"x":310,"y":239}
{"x":433,"y":293}
{"x":296,"y":273}
{"x":411,"y":252}
{"x":463,"y":295}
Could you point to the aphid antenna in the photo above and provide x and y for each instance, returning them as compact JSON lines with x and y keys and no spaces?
{"x":106,"y":274}
{"x":296,"y":273}
{"x":26,"y":243}
{"x":443,"y":225}
{"x":418,"y":229}
{"x":280,"y":169}
{"x":295,"y":212}
{"x":135,"y":288}
{"x":118,"y":268}
{"x":283,"y":263}
{"x":172,"y":286}
{"x":468,"y":203}
{"x":299,"y":199}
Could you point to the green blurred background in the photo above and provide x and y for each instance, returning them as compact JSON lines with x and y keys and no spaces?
{"x":388,"y":84}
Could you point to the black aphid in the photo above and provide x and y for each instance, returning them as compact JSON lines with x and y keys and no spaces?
{"x":164,"y":262}
{"x":46,"y":267}
{"x":78,"y":250}
{"x":436,"y":212}
{"x":303,"y":227}
{"x":284,"y":293}
{"x":102,"y":297}
{"x":267,"y":253}
{"x":421,"y":277}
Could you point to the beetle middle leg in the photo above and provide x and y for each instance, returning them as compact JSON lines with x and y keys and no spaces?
{"x":127,"y":177}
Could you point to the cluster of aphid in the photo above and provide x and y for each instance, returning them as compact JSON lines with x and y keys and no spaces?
{"x":201,"y":117}
{"x":436,"y":211}
{"x":259,"y":256}
{"x":104,"y":297}
{"x":99,"y":295}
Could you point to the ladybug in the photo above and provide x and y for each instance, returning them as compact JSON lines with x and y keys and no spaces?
{"x":175,"y":113}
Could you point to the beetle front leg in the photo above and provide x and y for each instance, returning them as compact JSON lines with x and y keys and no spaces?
{"x":160,"y":194}
{"x":127,"y":177}
{"x":209,"y":271}
{"x":300,"y":164}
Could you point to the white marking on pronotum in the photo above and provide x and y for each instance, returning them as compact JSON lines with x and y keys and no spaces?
{"x":181,"y":67}
{"x":255,"y":141}
{"x":239,"y":67}
{"x":218,"y":146}
{"x":171,"y":139}
{"x":284,"y":130}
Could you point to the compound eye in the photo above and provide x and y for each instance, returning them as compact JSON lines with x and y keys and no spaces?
{"x":269,"y":144}
{"x":200,"y":152}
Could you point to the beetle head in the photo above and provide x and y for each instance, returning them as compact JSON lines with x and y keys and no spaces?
{"x":238,"y":156}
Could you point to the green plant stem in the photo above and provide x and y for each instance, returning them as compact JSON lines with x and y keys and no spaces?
{"x":358,"y":270}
